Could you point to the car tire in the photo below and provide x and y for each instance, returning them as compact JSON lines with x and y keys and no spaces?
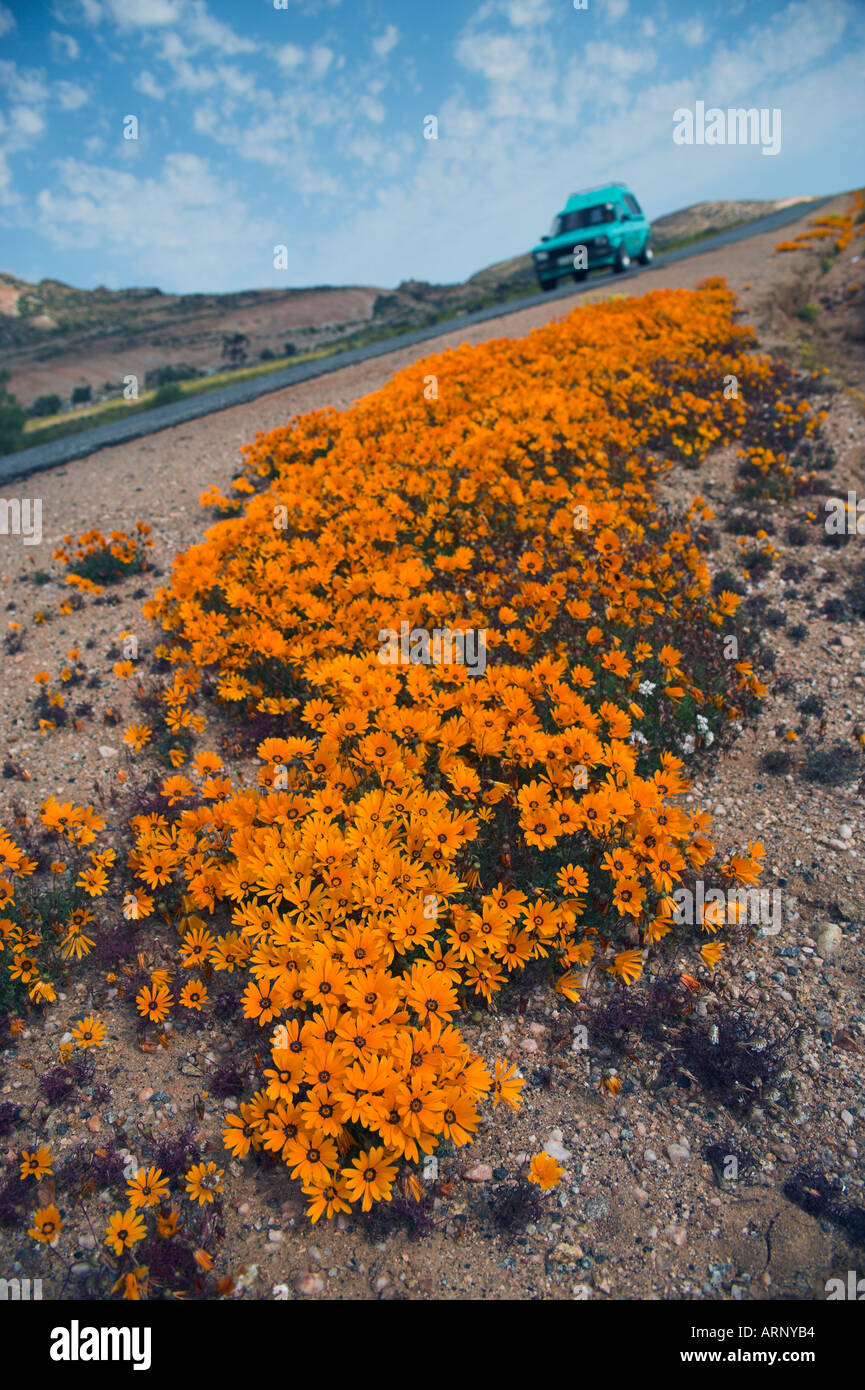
{"x":580,"y":276}
{"x":647,"y":255}
{"x":547,"y":285}
{"x":622,"y":261}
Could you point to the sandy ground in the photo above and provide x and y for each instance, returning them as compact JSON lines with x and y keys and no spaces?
{"x":641,"y":1213}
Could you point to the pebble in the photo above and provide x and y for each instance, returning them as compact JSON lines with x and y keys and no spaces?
{"x":481,"y":1172}
{"x":557,"y":1151}
{"x":105,"y":751}
{"x":829,"y":938}
{"x":678,"y":1152}
{"x":847,"y":1118}
{"x":309,"y":1283}
{"x":274,"y":1236}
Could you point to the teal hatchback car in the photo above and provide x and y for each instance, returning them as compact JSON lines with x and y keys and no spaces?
{"x":598,"y":227}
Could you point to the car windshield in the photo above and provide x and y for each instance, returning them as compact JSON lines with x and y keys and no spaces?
{"x":583,"y":217}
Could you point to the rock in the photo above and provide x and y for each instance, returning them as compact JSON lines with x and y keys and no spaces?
{"x":847,"y":1118}
{"x":568,"y":1254}
{"x":274,"y":1236}
{"x":107,"y":752}
{"x":281,"y":1293}
{"x":641,"y":1196}
{"x":529,"y":1045}
{"x":94,"y":1124}
{"x":557,"y":1151}
{"x":582,"y":1292}
{"x":829,"y":938}
{"x":481,"y":1172}
{"x":845,"y":832}
{"x":381,"y":1282}
{"x":308,"y":1284}
{"x":145,"y":1094}
{"x":785,"y":1152}
{"x":845,"y":908}
{"x":678,"y":1152}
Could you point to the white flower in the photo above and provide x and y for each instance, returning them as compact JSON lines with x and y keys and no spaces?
{"x":688,"y":744}
{"x":637,"y":737}
{"x":702,"y":723}
{"x":646,"y":687}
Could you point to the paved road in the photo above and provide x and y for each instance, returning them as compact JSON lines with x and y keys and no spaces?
{"x":76,"y":446}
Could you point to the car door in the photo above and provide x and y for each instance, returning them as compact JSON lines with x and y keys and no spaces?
{"x":636,"y":234}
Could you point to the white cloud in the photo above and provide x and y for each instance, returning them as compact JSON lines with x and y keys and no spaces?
{"x":692,"y":33}
{"x":382,"y":46}
{"x":7,"y":20}
{"x":522,"y":13}
{"x":146,"y":83}
{"x":616,"y":9}
{"x":27,"y":121}
{"x":372,"y":109}
{"x":497,"y":57}
{"x":289,"y":56}
{"x":63,"y":47}
{"x":212,"y":32}
{"x":70,"y":95}
{"x":23,"y":85}
{"x":183,"y":226}
{"x":143,"y":14}
{"x":322,"y":57}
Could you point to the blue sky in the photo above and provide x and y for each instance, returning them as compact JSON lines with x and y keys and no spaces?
{"x":303,"y":126}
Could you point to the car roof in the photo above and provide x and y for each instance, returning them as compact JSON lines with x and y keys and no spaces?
{"x":588,"y":197}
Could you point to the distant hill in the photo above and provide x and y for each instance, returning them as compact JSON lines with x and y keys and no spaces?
{"x":54,"y":338}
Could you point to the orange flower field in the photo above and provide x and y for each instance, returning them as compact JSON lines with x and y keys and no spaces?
{"x":379,"y":846}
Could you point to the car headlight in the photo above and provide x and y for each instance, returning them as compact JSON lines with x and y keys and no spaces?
{"x":542,"y":255}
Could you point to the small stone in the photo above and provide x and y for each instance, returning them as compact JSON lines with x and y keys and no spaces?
{"x":557,"y":1151}
{"x":847,"y":1118}
{"x":650,"y":1156}
{"x":381,"y":1282}
{"x":529,"y":1045}
{"x":678,"y":1152}
{"x":845,"y":832}
{"x":845,"y":908}
{"x":105,"y":751}
{"x":641,"y":1196}
{"x":281,"y":1293}
{"x":145,"y":1094}
{"x":481,"y":1172}
{"x":308,"y":1284}
{"x":785,"y":1152}
{"x":829,"y":939}
{"x":94,"y":1124}
{"x":274,"y":1236}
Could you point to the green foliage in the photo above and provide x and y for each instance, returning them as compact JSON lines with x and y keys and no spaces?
{"x":12,"y":419}
{"x":46,"y":405}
